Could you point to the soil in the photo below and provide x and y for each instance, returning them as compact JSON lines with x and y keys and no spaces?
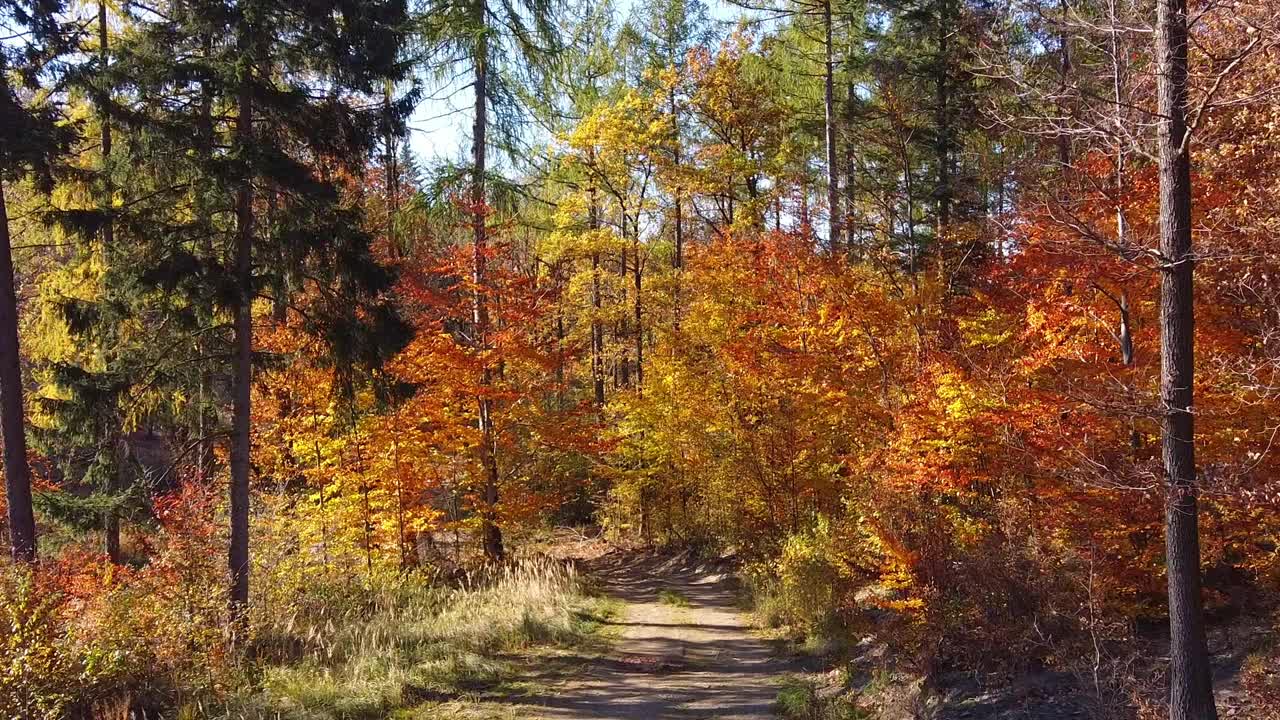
{"x":683,"y":649}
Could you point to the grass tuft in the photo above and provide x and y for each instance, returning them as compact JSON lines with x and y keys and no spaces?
{"x":673,"y":598}
{"x":799,"y":700}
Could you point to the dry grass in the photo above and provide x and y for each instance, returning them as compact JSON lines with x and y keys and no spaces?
{"x":398,"y":644}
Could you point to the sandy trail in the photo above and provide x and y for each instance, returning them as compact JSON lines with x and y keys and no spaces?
{"x":699,"y":661}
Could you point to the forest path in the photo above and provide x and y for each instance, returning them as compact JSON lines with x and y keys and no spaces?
{"x":683,"y":650}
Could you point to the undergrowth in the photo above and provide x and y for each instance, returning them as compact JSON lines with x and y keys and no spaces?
{"x":325,"y":644}
{"x":406,"y":641}
{"x":800,"y":700}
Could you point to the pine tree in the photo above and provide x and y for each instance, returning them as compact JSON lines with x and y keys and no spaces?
{"x":244,"y":146}
{"x":32,"y":141}
{"x":86,"y":391}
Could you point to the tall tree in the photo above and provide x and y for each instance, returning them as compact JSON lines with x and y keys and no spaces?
{"x":508,"y":47}
{"x":670,"y":30}
{"x":829,"y":126}
{"x":287,"y":101}
{"x":826,"y":15}
{"x":1190,"y":684}
{"x":32,"y":137}
{"x":248,"y":48}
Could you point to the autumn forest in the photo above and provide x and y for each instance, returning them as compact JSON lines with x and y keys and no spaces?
{"x":587,"y":359}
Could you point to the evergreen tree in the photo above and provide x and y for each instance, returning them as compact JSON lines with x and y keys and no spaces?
{"x":32,"y":141}
{"x":96,"y":351}
{"x":239,"y":151}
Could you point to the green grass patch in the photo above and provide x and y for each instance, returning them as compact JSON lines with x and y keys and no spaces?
{"x":799,"y":700}
{"x":673,"y":598}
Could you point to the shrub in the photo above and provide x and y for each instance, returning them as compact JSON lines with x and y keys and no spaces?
{"x":49,"y":667}
{"x":803,"y":588}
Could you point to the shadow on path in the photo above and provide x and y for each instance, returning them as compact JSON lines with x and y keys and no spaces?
{"x":699,"y":661}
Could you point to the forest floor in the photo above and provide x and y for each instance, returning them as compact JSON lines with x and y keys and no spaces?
{"x":680,"y":647}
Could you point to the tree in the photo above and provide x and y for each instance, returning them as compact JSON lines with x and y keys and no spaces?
{"x":671,"y":30}
{"x":85,"y":387}
{"x":1190,"y":684}
{"x":508,"y":47}
{"x":824,"y":13}
{"x":32,"y":138}
{"x":276,"y":105}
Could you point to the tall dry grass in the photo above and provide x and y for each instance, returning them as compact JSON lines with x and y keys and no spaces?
{"x":364,"y":651}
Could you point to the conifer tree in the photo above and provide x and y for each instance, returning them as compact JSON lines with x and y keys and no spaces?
{"x":244,"y":146}
{"x":32,"y":141}
{"x":86,"y":388}
{"x":508,"y":48}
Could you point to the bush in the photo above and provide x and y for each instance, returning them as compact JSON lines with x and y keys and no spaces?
{"x":802,"y":589}
{"x":49,"y":667}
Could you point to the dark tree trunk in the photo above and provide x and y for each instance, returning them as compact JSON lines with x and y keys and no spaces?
{"x":111,"y":521}
{"x":557,"y":274}
{"x":492,"y":534}
{"x":238,"y":554}
{"x":624,"y":357}
{"x":828,"y":101}
{"x":17,"y":474}
{"x":597,"y":328}
{"x":856,"y":19}
{"x":850,"y":191}
{"x":104,"y":116}
{"x":1064,"y":74}
{"x":207,"y":420}
{"x":636,"y":276}
{"x":1190,"y":685}
{"x":942,"y":88}
{"x":677,"y":260}
{"x":597,"y":333}
{"x":391,"y":169}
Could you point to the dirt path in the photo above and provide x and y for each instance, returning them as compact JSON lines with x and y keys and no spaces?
{"x":671,"y":659}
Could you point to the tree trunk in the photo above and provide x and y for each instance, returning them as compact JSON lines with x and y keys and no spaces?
{"x":557,"y":274}
{"x":1064,"y":74}
{"x":850,"y":191}
{"x":1190,"y":684}
{"x":597,"y":328}
{"x":636,"y":273}
{"x":942,"y":88}
{"x":111,"y":521}
{"x":677,"y":260}
{"x":856,"y":20}
{"x":238,"y":554}
{"x":207,"y":420}
{"x":17,"y":474}
{"x":391,"y":177}
{"x":492,"y":534}
{"x":624,"y":357}
{"x":828,"y":101}
{"x":104,"y":117}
